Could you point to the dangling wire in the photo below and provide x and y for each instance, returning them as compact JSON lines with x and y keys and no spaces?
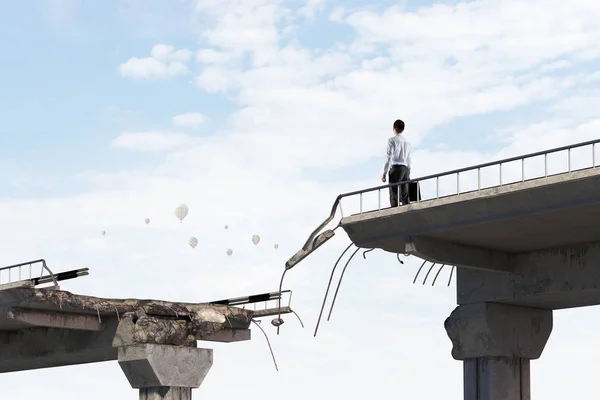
{"x":419,"y":271}
{"x":340,"y":282}
{"x":328,"y":286}
{"x":398,"y":257}
{"x":366,"y":251}
{"x":268,"y":342}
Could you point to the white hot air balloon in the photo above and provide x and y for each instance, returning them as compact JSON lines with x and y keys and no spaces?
{"x":103,"y":233}
{"x":226,"y":227}
{"x":229,"y":252}
{"x":193,"y":242}
{"x":181,"y":212}
{"x":276,"y":246}
{"x":147,"y":221}
{"x":255,"y":239}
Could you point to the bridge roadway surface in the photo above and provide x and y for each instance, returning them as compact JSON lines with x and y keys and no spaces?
{"x":532,"y":243}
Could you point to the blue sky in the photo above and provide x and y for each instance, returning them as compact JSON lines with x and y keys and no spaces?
{"x":257,"y":114}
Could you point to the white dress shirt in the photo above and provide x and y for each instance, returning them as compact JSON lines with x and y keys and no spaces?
{"x":398,"y":152}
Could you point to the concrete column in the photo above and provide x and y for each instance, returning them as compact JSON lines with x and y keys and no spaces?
{"x":164,"y":372}
{"x":495,"y":343}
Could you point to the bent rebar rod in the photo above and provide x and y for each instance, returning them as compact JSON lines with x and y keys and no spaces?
{"x":268,"y":342}
{"x":436,"y":275}
{"x":340,"y":282}
{"x":419,"y":271}
{"x":399,"y":260}
{"x":297,"y":316}
{"x":451,"y":272}
{"x":328,"y":286}
{"x":428,"y":272}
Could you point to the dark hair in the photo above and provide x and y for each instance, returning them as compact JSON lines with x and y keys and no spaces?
{"x":399,"y":125}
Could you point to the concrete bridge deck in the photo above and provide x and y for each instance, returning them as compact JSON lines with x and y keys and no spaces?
{"x":41,"y":328}
{"x":515,"y":218}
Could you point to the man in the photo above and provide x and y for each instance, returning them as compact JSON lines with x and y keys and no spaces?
{"x":399,"y":158}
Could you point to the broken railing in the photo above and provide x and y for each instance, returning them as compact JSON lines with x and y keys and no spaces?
{"x":24,"y":274}
{"x":257,"y":301}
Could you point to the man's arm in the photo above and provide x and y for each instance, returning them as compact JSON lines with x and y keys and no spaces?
{"x":390,"y":147}
{"x":409,"y":156}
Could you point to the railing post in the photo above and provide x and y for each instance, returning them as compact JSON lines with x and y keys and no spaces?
{"x":437,"y":187}
{"x":458,"y":183}
{"x":545,"y":165}
{"x":361,"y":204}
{"x":379,"y":199}
{"x":398,"y":194}
{"x":500,"y":165}
{"x":478,"y":178}
{"x":569,"y":159}
{"x":522,"y":170}
{"x":593,"y":155}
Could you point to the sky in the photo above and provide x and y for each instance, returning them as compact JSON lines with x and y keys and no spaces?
{"x":257,"y":114}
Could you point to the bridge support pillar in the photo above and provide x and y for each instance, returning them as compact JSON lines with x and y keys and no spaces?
{"x":164,"y":372}
{"x":496,"y":343}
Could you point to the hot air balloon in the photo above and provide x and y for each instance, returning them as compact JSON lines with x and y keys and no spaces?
{"x":226,"y":227}
{"x":193,"y":242}
{"x":103,"y":233}
{"x":181,"y":212}
{"x":276,"y":246}
{"x":147,"y":221}
{"x":229,"y":252}
{"x":255,"y":239}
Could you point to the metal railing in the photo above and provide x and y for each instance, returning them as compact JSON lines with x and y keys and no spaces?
{"x":338,"y":201}
{"x":25,"y":272}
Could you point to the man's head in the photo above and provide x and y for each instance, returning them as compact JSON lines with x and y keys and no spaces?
{"x":398,"y":126}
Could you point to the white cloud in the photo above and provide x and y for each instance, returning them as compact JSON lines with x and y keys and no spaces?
{"x":189,"y":120}
{"x":210,"y":56}
{"x":151,"y":141}
{"x":164,"y":62}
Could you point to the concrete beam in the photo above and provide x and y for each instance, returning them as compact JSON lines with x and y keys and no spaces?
{"x":445,"y":252}
{"x":44,"y":347}
{"x":53,"y":347}
{"x":553,"y":279}
{"x":17,"y":284}
{"x":53,"y":319}
{"x":229,"y":336}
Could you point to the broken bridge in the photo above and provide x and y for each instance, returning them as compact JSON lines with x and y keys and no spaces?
{"x":524,"y":236}
{"x":154,"y":341}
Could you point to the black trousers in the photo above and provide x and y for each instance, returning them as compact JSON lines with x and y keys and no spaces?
{"x":399,"y":173}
